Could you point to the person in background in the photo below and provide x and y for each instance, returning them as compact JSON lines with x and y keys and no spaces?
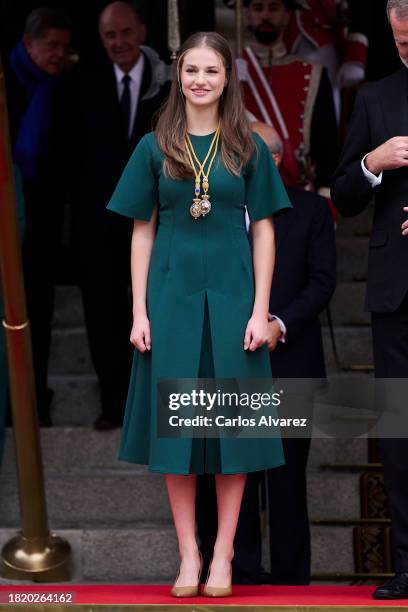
{"x":305,"y":119}
{"x":373,"y":167}
{"x":333,"y":34}
{"x":303,"y":284}
{"x":118,"y":99}
{"x":37,"y":96}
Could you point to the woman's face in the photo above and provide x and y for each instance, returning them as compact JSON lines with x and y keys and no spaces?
{"x":202,"y":76}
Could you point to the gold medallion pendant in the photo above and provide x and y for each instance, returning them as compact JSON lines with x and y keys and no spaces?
{"x":205,"y":205}
{"x":201,"y":205}
{"x":195,"y":208}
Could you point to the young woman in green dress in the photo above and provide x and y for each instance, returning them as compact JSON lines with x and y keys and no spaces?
{"x":200,"y":299}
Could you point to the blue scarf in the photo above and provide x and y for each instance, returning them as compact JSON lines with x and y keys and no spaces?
{"x":32,"y":143}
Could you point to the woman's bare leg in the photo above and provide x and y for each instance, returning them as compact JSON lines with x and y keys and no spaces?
{"x":182,"y":493}
{"x":230,"y":489}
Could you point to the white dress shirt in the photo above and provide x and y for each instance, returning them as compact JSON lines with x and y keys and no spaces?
{"x":371,"y":178}
{"x":134,"y":86}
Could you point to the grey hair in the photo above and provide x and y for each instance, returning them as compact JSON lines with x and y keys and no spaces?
{"x":42,"y":19}
{"x":400,"y":6}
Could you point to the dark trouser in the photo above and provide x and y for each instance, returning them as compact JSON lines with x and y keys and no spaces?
{"x":288,"y":521}
{"x":104,"y":270}
{"x":390,"y":340}
{"x":44,"y":214}
{"x":289,"y":535}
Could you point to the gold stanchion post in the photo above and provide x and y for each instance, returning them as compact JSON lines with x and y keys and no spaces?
{"x":34,"y":553}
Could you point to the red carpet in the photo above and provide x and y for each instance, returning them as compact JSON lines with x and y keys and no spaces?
{"x":243,"y":595}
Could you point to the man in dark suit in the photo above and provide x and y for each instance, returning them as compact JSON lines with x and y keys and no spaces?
{"x":374,"y":164}
{"x":119,"y":98}
{"x":303,"y":283}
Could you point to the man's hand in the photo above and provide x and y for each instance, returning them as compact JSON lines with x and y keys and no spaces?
{"x":274,"y":334}
{"x":404,"y":226}
{"x":388,"y":156}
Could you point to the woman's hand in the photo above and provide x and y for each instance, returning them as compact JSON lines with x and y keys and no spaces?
{"x":257,"y":332}
{"x":404,"y":226}
{"x":140,"y":334}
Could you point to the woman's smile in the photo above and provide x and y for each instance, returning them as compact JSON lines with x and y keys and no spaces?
{"x":200,"y":92}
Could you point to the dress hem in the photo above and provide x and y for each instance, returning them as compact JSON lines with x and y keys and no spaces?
{"x":162,"y":470}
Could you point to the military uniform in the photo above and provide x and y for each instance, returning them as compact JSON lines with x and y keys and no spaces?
{"x":330,"y":22}
{"x":294,"y":96}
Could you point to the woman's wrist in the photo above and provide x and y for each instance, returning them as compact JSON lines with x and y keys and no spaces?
{"x":139,"y":311}
{"x":260,"y":311}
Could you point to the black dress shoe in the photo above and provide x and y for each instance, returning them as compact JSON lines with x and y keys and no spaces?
{"x":396,"y":588}
{"x":103,"y":423}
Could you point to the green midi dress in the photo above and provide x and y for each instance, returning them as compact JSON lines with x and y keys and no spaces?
{"x":200,"y":295}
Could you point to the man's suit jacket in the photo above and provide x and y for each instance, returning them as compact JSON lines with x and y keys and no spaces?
{"x":104,"y":148}
{"x":380,"y":113}
{"x":303,"y":283}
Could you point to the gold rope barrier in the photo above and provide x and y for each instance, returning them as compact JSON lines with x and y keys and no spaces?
{"x":34,"y":553}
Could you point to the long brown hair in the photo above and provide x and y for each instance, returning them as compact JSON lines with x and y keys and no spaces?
{"x":237,"y":144}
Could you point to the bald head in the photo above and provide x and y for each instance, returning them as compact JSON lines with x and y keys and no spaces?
{"x":271,"y":138}
{"x":122,"y":32}
{"x":115,"y":10}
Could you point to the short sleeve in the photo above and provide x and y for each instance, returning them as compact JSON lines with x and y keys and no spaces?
{"x":265,"y":193}
{"x":137,"y":190}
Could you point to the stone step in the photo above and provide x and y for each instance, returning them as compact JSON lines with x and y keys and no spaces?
{"x":68,"y":309}
{"x":103,"y":497}
{"x":354,"y":346}
{"x":76,"y":399}
{"x":70,"y":352}
{"x":333,"y":495}
{"x":71,"y":449}
{"x":148,"y":554}
{"x":352,"y":258}
{"x":336,"y":451}
{"x":347,"y":305}
{"x":332,"y":550}
{"x":111,"y":497}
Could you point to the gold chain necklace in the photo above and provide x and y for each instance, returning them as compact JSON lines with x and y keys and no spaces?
{"x":201,"y":205}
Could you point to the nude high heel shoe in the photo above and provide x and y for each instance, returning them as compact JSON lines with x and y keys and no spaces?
{"x":188,"y":591}
{"x":217,"y":591}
